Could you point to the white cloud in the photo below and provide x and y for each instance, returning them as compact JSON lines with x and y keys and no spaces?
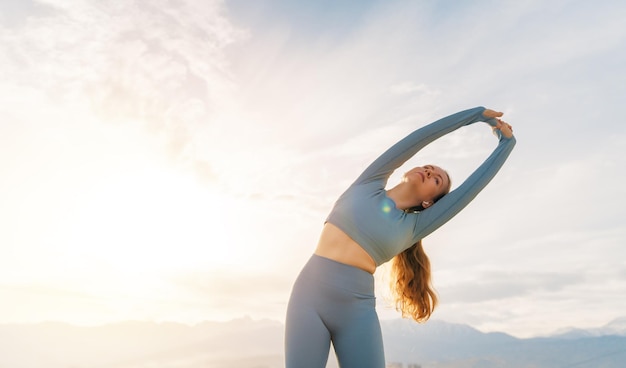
{"x":421,"y":90}
{"x":158,"y":64}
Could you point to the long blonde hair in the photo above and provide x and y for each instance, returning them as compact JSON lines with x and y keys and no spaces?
{"x":411,"y":287}
{"x":411,"y":284}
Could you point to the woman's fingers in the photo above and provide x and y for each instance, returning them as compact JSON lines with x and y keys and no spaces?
{"x":488,"y":113}
{"x":505,"y":128}
{"x":502,"y":122}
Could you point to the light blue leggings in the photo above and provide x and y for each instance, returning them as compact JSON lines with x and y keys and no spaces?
{"x":331,"y":301}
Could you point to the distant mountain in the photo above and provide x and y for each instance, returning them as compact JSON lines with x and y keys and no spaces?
{"x":439,"y":344}
{"x":617,"y":327}
{"x":247,"y":343}
{"x":238,"y":343}
{"x":407,"y":341}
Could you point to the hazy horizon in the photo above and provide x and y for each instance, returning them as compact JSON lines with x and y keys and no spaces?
{"x":244,"y":343}
{"x":619,"y":321}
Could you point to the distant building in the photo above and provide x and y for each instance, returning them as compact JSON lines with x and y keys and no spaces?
{"x":414,"y":366}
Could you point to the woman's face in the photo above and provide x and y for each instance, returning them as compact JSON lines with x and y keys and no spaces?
{"x":428,"y":181}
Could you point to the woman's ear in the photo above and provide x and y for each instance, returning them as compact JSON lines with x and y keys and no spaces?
{"x":426,"y":204}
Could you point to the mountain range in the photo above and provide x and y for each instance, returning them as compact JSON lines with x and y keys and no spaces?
{"x":247,"y":343}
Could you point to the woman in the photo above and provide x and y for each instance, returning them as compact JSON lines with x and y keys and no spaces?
{"x":333,"y":297}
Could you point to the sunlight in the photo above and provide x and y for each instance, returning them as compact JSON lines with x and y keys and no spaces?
{"x":127,"y":234}
{"x":103,"y":225}
{"x":152,"y":220}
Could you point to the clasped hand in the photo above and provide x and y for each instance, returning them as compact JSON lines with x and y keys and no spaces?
{"x":502,"y":126}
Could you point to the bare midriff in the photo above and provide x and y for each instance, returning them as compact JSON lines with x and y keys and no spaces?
{"x":336,"y":245}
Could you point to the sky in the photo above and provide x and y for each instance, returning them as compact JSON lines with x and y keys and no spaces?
{"x":175,"y":161}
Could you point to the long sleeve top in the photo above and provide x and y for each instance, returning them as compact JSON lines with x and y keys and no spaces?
{"x":368,"y":216}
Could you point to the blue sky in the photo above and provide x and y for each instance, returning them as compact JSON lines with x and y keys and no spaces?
{"x":175,"y":161}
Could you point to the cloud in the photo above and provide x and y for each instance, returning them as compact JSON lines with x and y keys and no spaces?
{"x":34,"y":302}
{"x":233,"y":293}
{"x":412,"y":88}
{"x":46,"y":291}
{"x":498,"y":285}
{"x":231,"y":283}
{"x":158,"y":64}
{"x":15,"y":13}
{"x":556,"y":300}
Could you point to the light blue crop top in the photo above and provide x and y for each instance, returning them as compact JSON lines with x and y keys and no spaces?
{"x":369,"y":217}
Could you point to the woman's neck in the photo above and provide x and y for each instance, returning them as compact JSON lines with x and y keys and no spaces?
{"x":403,"y":197}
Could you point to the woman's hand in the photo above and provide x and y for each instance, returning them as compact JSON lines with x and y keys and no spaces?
{"x":505,"y":128}
{"x":502,"y":126}
{"x":488,"y":113}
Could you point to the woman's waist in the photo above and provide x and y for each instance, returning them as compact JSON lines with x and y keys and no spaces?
{"x":336,"y":245}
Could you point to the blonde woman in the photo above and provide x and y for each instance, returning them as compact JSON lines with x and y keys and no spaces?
{"x":333,"y":297}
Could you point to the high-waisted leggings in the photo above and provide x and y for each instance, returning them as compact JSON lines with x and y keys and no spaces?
{"x":333,"y":302}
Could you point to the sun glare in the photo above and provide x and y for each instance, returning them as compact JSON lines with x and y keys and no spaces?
{"x":133,"y":230}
